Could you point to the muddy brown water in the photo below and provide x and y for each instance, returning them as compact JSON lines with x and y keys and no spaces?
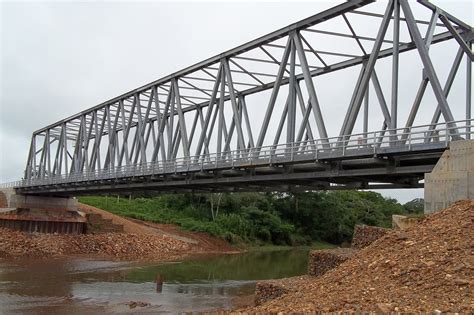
{"x":80,"y":286}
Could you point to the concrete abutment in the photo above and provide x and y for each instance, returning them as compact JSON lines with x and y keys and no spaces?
{"x":452,"y":179}
{"x":40,"y":214}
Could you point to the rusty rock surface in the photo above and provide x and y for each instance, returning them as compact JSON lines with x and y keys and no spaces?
{"x":321,"y":261}
{"x":364,"y":235}
{"x":425,"y":268}
{"x":16,"y":244}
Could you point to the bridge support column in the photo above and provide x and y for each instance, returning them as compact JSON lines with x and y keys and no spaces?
{"x":40,"y":214}
{"x":452,"y":178}
{"x":40,"y":202}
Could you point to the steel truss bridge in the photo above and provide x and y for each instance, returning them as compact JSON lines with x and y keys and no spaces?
{"x":254,"y":119}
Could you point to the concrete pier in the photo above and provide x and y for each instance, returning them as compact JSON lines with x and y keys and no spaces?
{"x":40,"y":202}
{"x":452,"y":178}
{"x":40,"y":214}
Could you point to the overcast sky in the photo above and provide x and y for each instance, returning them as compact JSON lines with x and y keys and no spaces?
{"x":58,"y":58}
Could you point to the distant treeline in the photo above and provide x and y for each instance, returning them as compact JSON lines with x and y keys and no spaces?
{"x":264,"y":218}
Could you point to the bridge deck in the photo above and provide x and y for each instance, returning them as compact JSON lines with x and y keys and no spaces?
{"x":383,"y":159}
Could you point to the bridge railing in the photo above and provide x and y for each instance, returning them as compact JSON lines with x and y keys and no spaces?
{"x":363,"y":144}
{"x":16,"y":183}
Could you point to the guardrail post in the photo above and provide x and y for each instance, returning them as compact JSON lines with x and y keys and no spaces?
{"x":468,"y":129}
{"x":316,"y":148}
{"x":375,"y":143}
{"x":409,"y":139}
{"x":343,"y":145}
{"x":446,"y":134}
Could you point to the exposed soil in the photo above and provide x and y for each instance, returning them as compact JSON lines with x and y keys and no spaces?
{"x":128,"y":225}
{"x":203,"y":242}
{"x":427,"y":268}
{"x":199,"y":242}
{"x":140,"y":241}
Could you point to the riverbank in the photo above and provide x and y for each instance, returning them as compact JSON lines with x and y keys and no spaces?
{"x":426,"y":268}
{"x":139,"y":241}
{"x":119,"y":246}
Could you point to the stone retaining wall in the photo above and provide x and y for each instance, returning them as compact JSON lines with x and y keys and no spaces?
{"x":268,"y":290}
{"x":97,"y":224}
{"x":364,"y":235}
{"x":321,"y":261}
{"x":3,"y":200}
{"x":402,"y":222}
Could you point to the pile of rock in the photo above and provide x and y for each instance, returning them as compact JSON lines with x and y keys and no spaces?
{"x":15,"y":244}
{"x":321,"y":261}
{"x":271,"y":289}
{"x":97,"y":224}
{"x":425,"y":268}
{"x":123,"y":245}
{"x":268,"y":290}
{"x":364,"y":235}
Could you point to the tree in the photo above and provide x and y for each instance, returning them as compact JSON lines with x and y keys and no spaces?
{"x":217,"y":202}
{"x":415,"y":206}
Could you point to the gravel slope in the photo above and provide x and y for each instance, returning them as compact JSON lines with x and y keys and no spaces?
{"x":425,"y":268}
{"x":140,"y":241}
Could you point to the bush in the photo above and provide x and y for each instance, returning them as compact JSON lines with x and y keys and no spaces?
{"x":278,"y":218}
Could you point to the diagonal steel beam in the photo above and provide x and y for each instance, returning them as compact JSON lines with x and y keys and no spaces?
{"x":211,"y":103}
{"x":247,"y":122}
{"x":233,"y":100}
{"x":181,"y":122}
{"x":457,"y":37}
{"x":273,"y":97}
{"x":311,"y":91}
{"x":429,"y":69}
{"x":354,"y":108}
{"x":447,"y":87}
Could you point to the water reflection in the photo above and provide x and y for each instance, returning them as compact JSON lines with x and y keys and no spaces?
{"x":159,"y":283}
{"x":207,"y":283}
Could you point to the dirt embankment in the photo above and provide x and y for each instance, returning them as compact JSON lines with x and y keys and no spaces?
{"x":198,"y":242}
{"x":140,"y":240}
{"x":426,"y":268}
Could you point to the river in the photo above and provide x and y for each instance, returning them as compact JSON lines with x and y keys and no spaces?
{"x":81,"y":286}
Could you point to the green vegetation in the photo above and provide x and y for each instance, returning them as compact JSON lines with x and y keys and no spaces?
{"x":311,"y":218}
{"x":415,"y":207}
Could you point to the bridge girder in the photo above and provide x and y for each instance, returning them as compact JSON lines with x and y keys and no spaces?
{"x":200,"y":114}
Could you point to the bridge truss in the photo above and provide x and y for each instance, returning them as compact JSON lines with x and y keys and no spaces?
{"x":252,"y":118}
